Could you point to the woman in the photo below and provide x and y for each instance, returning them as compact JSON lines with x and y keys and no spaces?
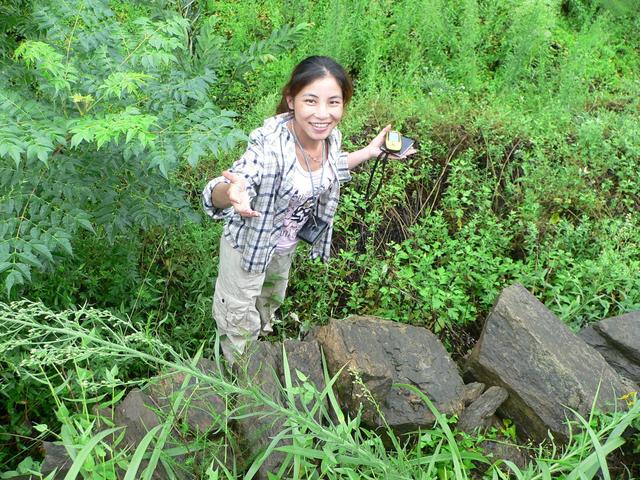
{"x":288,"y":178}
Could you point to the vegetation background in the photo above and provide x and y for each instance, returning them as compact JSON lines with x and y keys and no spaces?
{"x":114,"y":114}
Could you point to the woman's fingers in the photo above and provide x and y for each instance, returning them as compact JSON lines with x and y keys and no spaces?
{"x":379,"y":140}
{"x":411,"y":151}
{"x":375,"y":146}
{"x":233,"y":178}
{"x":242,"y":205}
{"x":246,"y":212}
{"x":238,"y":195}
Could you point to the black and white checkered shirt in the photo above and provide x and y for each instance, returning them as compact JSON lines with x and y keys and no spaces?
{"x":267,"y":167}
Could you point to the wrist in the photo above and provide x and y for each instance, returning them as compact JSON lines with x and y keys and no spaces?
{"x":220,"y":196}
{"x":371,"y":152}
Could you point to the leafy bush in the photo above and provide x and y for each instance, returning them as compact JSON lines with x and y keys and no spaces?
{"x":97,"y":111}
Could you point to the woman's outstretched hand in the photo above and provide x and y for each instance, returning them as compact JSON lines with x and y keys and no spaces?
{"x":238,"y":195}
{"x":375,"y":147}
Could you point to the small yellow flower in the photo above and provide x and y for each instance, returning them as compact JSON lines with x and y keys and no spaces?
{"x":630,"y":398}
{"x":78,"y":98}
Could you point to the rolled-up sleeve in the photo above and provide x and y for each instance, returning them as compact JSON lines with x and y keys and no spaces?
{"x":249,"y":167}
{"x":342,"y":165}
{"x":344,"y":174}
{"x":207,"y":204}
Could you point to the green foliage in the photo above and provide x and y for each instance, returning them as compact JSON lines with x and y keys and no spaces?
{"x":96,"y":113}
{"x":317,"y":437}
{"x":529,"y":146}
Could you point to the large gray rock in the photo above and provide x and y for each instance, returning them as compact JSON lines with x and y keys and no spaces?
{"x":262,"y":367}
{"x":546,"y":369}
{"x":618,"y":341}
{"x":201,"y":409}
{"x":257,"y":424}
{"x":56,"y":459}
{"x":305,"y":358}
{"x":138,"y":414}
{"x":377,"y":354}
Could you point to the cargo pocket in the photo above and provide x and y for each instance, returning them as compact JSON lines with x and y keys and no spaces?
{"x":234,"y":318}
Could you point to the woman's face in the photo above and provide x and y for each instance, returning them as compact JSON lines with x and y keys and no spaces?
{"x":317,"y":109}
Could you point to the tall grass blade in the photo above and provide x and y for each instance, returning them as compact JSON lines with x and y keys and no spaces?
{"x":292,"y":405}
{"x":598,"y":459}
{"x":169,"y":421}
{"x":257,"y":463}
{"x":138,"y":455}
{"x":82,"y":456}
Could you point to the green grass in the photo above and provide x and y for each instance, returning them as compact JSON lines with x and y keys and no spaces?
{"x":318,"y":439}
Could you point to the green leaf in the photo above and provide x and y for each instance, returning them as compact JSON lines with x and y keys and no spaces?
{"x":65,"y":244}
{"x":80,"y":137}
{"x":86,"y":224}
{"x":14,"y":278}
{"x":15,"y":151}
{"x":30,"y":259}
{"x":43,"y":156}
{"x":43,"y":250}
{"x":41,"y":427}
{"x":24,"y":269}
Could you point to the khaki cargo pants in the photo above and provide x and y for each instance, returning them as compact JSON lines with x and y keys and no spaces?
{"x":244,"y":303}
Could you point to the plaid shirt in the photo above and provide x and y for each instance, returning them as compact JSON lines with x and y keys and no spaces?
{"x":267,"y":167}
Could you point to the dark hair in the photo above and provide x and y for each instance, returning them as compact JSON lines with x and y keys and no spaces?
{"x":311,"y":69}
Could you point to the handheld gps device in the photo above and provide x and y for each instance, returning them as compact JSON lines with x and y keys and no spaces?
{"x":393,"y":141}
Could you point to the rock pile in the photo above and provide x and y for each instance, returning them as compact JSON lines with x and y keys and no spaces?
{"x":545,"y":368}
{"x":535,"y":367}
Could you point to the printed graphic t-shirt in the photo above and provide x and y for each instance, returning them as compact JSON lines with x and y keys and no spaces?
{"x":302,"y":202}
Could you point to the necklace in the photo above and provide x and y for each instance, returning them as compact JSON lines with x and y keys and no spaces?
{"x":314,"y":192}
{"x":306,"y":155}
{"x":314,"y":158}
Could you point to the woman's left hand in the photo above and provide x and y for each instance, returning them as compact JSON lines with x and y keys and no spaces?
{"x":375,"y":147}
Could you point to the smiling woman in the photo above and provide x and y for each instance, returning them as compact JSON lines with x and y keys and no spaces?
{"x":284,"y":188}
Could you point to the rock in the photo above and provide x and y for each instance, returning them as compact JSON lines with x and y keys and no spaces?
{"x":545,"y":368}
{"x":305,"y":357}
{"x":504,"y":451}
{"x":55,"y":456}
{"x":623,"y":332}
{"x":617,"y":339}
{"x":139,"y":414}
{"x":479,"y":415}
{"x":260,"y":367}
{"x":377,"y":354}
{"x":472,"y":392}
{"x":201,"y":408}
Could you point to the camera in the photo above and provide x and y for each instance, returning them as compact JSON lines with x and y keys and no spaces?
{"x":312,"y":230}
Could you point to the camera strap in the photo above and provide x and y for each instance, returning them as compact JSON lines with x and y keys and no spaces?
{"x":384,"y":157}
